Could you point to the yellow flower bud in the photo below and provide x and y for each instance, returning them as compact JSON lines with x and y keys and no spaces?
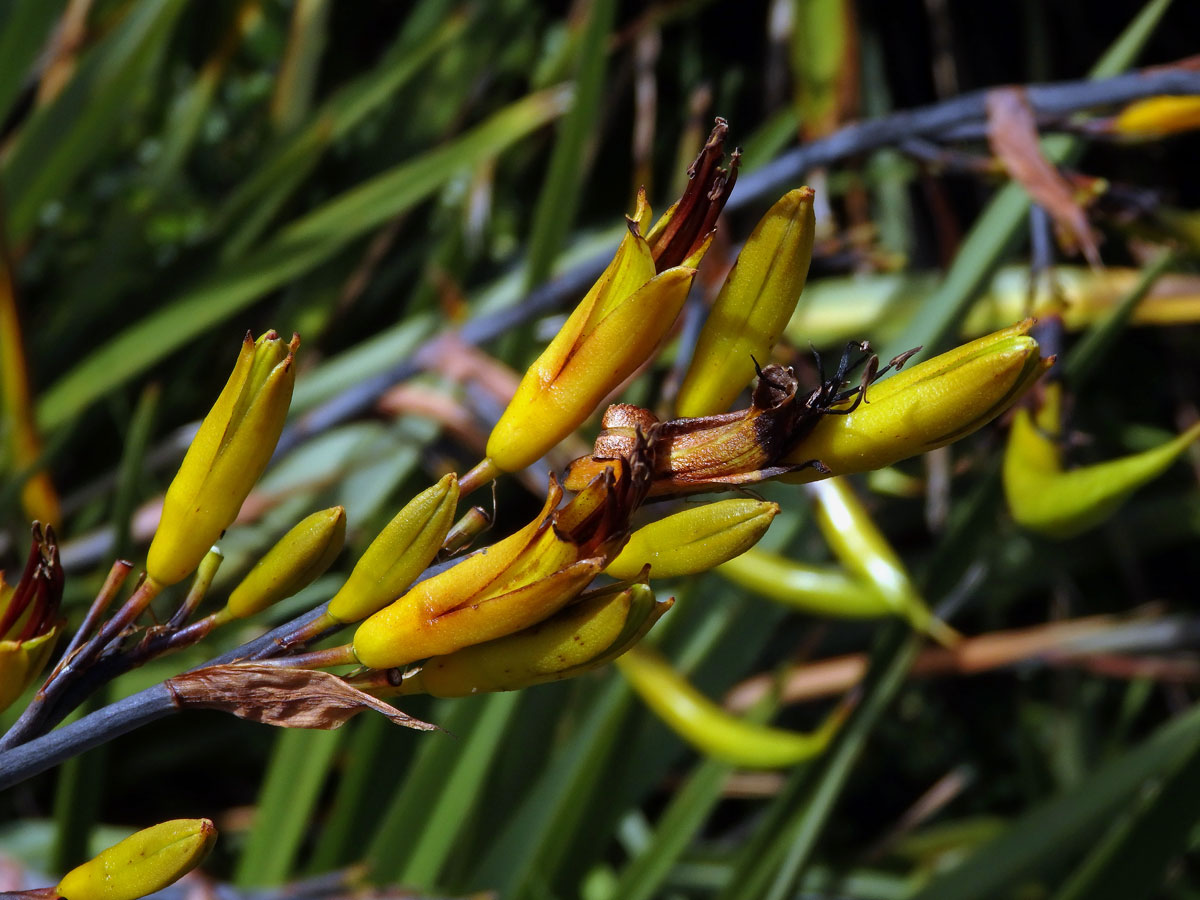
{"x":1157,"y":117}
{"x":709,"y":728}
{"x":227,"y":456}
{"x":616,"y":328}
{"x":757,"y":300}
{"x":143,"y":863}
{"x":695,"y":540}
{"x":1044,"y":498}
{"x":924,"y":407}
{"x":297,"y":559}
{"x":513,"y":584}
{"x":819,"y":590}
{"x":400,"y":553}
{"x":585,"y":635}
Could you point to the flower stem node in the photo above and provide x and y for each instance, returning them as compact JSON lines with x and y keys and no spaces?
{"x":143,"y":863}
{"x":227,"y":456}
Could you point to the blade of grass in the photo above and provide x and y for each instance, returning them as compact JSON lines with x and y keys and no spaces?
{"x":298,"y":72}
{"x":298,"y":770}
{"x":1130,"y":860}
{"x":1098,"y":340}
{"x":451,"y":813}
{"x":474,"y":726}
{"x":255,"y":202}
{"x":131,"y":474}
{"x":60,"y":140}
{"x":24,"y":28}
{"x":1062,"y":825}
{"x":774,"y":857}
{"x":300,"y":247}
{"x":999,"y":228}
{"x":558,"y":201}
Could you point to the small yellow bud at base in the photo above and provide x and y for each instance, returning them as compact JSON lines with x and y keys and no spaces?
{"x":143,"y":863}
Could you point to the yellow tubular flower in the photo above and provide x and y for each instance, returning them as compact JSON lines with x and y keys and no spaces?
{"x":511,"y":585}
{"x":143,"y":863}
{"x":695,"y":540}
{"x":866,"y":553}
{"x":400,"y":553}
{"x":924,"y":407}
{"x":757,"y":300}
{"x":585,"y":635}
{"x":709,"y":728}
{"x":819,"y":590}
{"x":29,"y":620}
{"x":1157,"y":117}
{"x":616,"y":328}
{"x":227,"y":456}
{"x":297,"y":559}
{"x":1045,"y":499}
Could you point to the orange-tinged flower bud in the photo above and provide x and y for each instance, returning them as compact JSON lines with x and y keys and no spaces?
{"x":295,"y":561}
{"x":513,"y":584}
{"x":757,"y":300}
{"x":616,"y":328}
{"x":924,"y":407}
{"x":586,"y":634}
{"x":143,"y":863}
{"x":227,"y":456}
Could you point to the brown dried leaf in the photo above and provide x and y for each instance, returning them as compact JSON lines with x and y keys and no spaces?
{"x":282,"y":696}
{"x":1013,"y":136}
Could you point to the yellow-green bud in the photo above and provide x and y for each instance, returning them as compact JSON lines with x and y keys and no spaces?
{"x":143,"y":863}
{"x":757,"y":300}
{"x":227,"y":456}
{"x":695,"y":539}
{"x":297,"y":559}
{"x":819,"y":590}
{"x":1044,"y":498}
{"x":709,"y":728}
{"x":401,"y":552}
{"x":924,"y":407}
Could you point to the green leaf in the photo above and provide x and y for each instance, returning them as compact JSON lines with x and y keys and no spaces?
{"x":298,"y":770}
{"x":299,"y":248}
{"x":60,"y":140}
